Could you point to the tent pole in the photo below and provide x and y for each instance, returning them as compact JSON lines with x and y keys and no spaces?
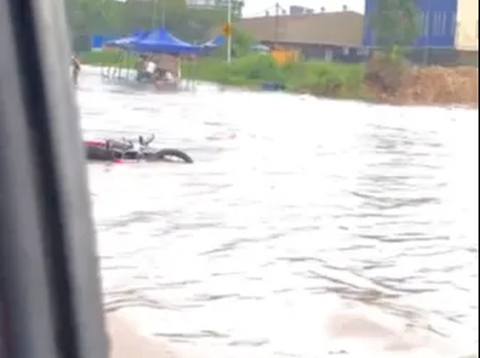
{"x":163,"y":12}
{"x":154,"y":16}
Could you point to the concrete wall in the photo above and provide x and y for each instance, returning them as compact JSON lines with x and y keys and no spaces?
{"x":466,"y":38}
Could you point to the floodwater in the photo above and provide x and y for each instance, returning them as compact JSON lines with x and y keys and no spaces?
{"x":306,"y":228}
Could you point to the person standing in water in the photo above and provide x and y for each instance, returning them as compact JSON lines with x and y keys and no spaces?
{"x":75,"y":63}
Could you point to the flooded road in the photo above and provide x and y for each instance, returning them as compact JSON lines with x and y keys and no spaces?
{"x":300,"y":220}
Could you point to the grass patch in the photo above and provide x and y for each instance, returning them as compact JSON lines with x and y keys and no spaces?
{"x":386,"y":77}
{"x":248,"y":71}
{"x":326,"y":79}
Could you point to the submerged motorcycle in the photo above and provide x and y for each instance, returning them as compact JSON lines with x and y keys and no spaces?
{"x":124,"y":150}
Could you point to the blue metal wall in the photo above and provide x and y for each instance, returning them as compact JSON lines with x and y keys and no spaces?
{"x":97,"y":41}
{"x":438,"y":23}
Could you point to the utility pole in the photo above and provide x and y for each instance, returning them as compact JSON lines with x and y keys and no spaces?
{"x":229,"y":35}
{"x":164,"y":6}
{"x":426,"y":25}
{"x":163,"y":10}
{"x":154,"y":11}
{"x":277,"y":14}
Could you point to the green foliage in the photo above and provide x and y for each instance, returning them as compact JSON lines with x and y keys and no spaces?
{"x":87,"y":17}
{"x":327,"y":79}
{"x":386,"y":72}
{"x":396,"y":22}
{"x":241,"y":45}
{"x":319,"y":78}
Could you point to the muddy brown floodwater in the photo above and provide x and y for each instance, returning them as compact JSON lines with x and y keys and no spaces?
{"x":306,"y":228}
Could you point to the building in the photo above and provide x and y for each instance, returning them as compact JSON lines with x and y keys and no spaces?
{"x":327,"y":35}
{"x":444,"y":25}
{"x":237,"y":5}
{"x":466,"y":37}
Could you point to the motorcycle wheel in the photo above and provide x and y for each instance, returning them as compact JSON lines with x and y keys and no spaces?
{"x":165,"y":154}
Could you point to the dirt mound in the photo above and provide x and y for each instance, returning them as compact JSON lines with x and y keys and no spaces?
{"x":440,"y":85}
{"x":434,"y":85}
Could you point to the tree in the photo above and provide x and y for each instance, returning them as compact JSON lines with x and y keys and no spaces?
{"x":110,"y":17}
{"x":241,"y":43}
{"x":396,"y":22}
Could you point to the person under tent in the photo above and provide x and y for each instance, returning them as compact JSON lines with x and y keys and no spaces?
{"x":146,"y":68}
{"x":163,"y":77}
{"x":168,"y":77}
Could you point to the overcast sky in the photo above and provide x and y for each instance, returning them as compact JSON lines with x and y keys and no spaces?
{"x":257,"y":7}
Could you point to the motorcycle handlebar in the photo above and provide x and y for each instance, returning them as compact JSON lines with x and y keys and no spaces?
{"x":109,"y":145}
{"x":127,"y":144}
{"x":146,"y":142}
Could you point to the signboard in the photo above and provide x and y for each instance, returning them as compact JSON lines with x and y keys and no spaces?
{"x":227,"y":29}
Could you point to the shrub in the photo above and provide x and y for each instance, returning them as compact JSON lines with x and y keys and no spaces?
{"x":385,"y":72}
{"x":325,"y":78}
{"x":256,"y":67}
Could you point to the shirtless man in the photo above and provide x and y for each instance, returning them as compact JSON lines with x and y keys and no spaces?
{"x":76,"y":66}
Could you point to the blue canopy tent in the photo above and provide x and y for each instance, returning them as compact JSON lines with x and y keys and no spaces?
{"x":260,"y":48}
{"x":121,"y":69}
{"x":162,"y":41}
{"x":214,"y":43}
{"x":156,"y":41}
{"x":125,"y":42}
